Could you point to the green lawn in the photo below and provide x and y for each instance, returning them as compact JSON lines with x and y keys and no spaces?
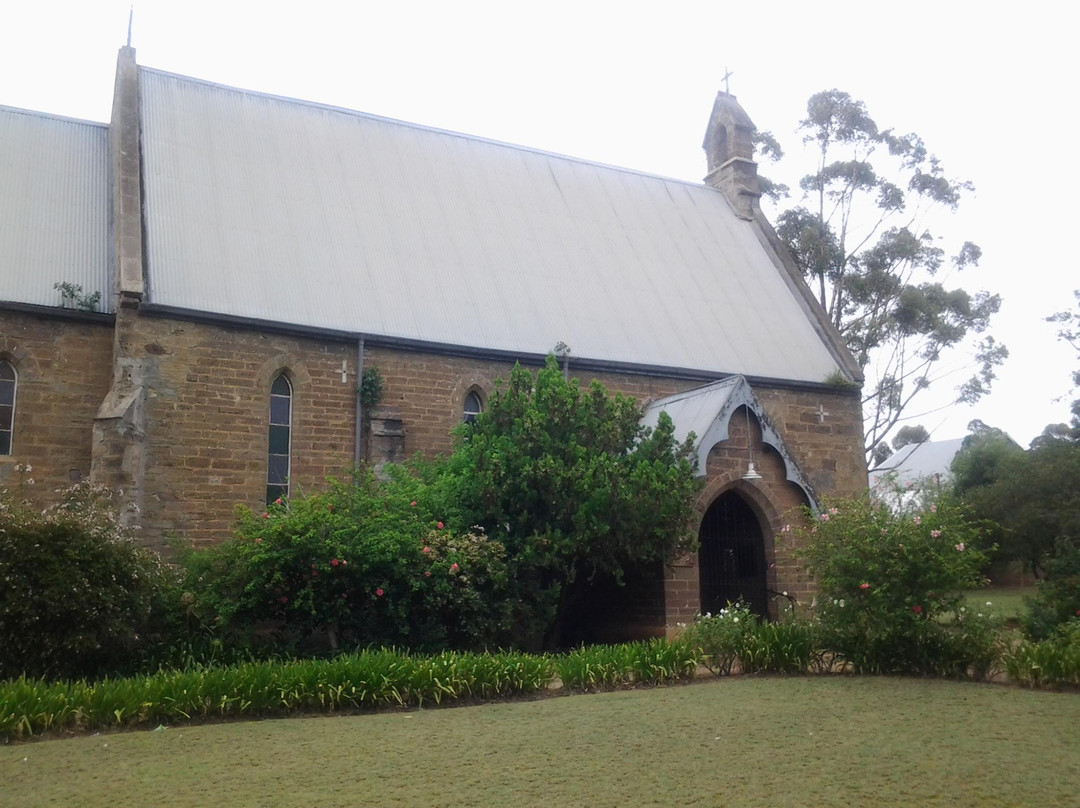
{"x":1008,"y":601}
{"x":745,"y":741}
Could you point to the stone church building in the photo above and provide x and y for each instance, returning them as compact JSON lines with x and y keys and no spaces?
{"x":255,"y":254}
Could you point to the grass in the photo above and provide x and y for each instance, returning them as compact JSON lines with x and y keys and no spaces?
{"x":748,"y":741}
{"x":1008,"y":601}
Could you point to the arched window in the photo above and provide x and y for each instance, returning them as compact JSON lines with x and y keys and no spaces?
{"x":8,"y":381}
{"x":473,"y":406}
{"x":277,"y":464}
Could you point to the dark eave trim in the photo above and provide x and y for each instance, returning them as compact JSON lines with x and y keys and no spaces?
{"x":59,"y":312}
{"x":491,"y":354}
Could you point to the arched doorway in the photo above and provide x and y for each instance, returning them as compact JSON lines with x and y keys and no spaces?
{"x":732,"y":556}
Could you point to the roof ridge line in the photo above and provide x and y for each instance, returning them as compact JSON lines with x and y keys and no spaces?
{"x":423,"y":127}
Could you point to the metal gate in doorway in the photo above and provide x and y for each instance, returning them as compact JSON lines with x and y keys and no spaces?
{"x":732,"y":556}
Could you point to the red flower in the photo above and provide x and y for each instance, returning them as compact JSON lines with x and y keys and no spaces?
{"x":427,"y":574}
{"x":277,"y":501}
{"x":314,"y":573}
{"x":378,"y":593}
{"x":454,"y":567}
{"x":413,"y":503}
{"x":439,"y":525}
{"x":917,"y":609}
{"x":283,"y":599}
{"x":864,"y":586}
{"x":334,"y":562}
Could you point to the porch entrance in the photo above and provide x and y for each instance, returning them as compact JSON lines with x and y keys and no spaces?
{"x":731,"y":558}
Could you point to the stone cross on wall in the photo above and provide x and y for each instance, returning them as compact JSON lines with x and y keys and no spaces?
{"x":727,"y":75}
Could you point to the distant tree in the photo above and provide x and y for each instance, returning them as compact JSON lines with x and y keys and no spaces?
{"x":1069,"y":331}
{"x":910,"y":434}
{"x":861,"y":244}
{"x":1033,"y":496}
{"x":881,"y":453}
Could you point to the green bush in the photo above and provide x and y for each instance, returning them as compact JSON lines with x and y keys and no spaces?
{"x":648,"y":662}
{"x":375,"y":678}
{"x":362,"y":562}
{"x":1052,"y":662}
{"x":721,"y":638}
{"x":78,"y":598}
{"x":789,"y":646}
{"x":891,"y":588}
{"x":1057,"y":599}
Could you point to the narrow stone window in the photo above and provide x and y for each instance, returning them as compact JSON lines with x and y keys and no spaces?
{"x":277,"y":465}
{"x":473,"y":407}
{"x":8,"y":382}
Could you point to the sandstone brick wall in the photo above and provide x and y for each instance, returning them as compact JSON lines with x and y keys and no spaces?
{"x":207,"y":416}
{"x":202,"y":444}
{"x":64,"y":369}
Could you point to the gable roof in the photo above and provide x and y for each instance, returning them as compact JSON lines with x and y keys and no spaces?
{"x":290,"y":212}
{"x":54,"y":207}
{"x":706,"y":413}
{"x":918,"y":461}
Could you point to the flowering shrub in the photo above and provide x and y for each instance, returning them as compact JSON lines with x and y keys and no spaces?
{"x":886,"y":582}
{"x":363,"y":562}
{"x":721,"y":638}
{"x":77,"y":596}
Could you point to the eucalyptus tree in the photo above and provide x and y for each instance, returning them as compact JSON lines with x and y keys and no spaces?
{"x":860,"y":237}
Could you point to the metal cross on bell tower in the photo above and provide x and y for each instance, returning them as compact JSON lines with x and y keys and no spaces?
{"x":727,"y":75}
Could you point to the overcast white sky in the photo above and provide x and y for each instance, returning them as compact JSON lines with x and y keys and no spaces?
{"x":632,"y":84}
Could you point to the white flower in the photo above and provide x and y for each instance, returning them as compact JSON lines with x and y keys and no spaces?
{"x":785,"y":593}
{"x":28,"y":468}
{"x":841,"y":603}
{"x":989,"y":604}
{"x":736,"y":619}
{"x":30,"y":481}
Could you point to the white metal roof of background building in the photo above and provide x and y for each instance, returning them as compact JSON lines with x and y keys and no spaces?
{"x":54,"y":207}
{"x":286,"y":211}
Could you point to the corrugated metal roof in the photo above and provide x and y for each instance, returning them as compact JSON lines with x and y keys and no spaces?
{"x":919,"y":460}
{"x":282,"y":210}
{"x":54,"y":225}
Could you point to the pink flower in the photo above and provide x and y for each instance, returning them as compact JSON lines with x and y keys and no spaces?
{"x":864,"y":586}
{"x":277,"y":501}
{"x":917,"y":609}
{"x":283,"y":599}
{"x":935,"y":533}
{"x":454,"y":567}
{"x":960,"y":547}
{"x":344,"y":563}
{"x":378,"y":593}
{"x":266,"y":515}
{"x":413,"y":503}
{"x":439,"y":525}
{"x":342,"y":596}
{"x":258,"y":541}
{"x":824,"y":517}
{"x":334,"y":562}
{"x":427,"y":550}
{"x":933,"y":509}
{"x":918,"y":520}
{"x":427,"y":573}
{"x":833,"y":512}
{"x":785,"y":529}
